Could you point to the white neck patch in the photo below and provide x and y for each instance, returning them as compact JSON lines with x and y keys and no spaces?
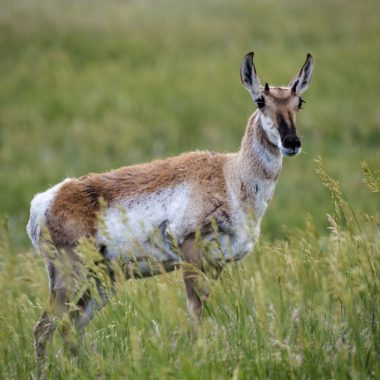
{"x":271,"y":132}
{"x":267,"y":159}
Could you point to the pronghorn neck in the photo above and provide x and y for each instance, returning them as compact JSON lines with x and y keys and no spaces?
{"x":258,"y":157}
{"x":256,"y":168}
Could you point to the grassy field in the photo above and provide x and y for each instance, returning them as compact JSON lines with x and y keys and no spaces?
{"x":91,"y":85}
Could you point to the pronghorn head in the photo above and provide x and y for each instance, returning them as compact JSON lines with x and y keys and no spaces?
{"x":277,"y":106}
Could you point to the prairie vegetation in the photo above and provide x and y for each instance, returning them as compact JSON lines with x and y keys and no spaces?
{"x":90,"y":86}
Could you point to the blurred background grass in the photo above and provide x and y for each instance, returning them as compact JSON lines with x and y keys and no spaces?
{"x":92,"y":85}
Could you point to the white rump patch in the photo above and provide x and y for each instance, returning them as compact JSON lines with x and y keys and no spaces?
{"x":39,"y":205}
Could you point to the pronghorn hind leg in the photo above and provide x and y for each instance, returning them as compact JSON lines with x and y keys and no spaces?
{"x":197,"y":288}
{"x":43,"y":333}
{"x":64,"y":280}
{"x":45,"y":327}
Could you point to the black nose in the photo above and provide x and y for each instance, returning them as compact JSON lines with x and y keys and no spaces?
{"x":291,"y":142}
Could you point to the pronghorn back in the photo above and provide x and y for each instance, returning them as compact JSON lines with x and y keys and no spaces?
{"x":70,"y":209}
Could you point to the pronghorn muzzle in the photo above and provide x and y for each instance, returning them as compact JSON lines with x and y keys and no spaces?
{"x":291,"y":145}
{"x":290,"y":142}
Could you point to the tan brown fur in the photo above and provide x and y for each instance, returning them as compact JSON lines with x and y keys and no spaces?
{"x":280,"y":100}
{"x":73,"y":212}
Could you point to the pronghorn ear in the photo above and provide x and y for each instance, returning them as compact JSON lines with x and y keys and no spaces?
{"x":302,"y":81}
{"x":248,"y":75}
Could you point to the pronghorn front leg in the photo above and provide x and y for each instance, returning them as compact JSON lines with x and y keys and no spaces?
{"x":195,"y":269}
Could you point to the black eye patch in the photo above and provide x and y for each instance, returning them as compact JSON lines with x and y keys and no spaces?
{"x":301,"y":101}
{"x":260,"y":102}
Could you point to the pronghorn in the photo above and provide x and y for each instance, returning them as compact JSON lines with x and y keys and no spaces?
{"x":220,"y":197}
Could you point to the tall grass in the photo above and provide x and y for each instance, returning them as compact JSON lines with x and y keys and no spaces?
{"x":306,"y":306}
{"x":93,"y":85}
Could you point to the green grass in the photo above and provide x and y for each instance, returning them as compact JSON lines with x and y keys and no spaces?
{"x":90,"y":86}
{"x":93,"y":86}
{"x":304,"y":307}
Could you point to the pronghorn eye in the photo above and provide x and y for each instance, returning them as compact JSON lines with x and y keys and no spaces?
{"x":300,"y":103}
{"x":260,"y":102}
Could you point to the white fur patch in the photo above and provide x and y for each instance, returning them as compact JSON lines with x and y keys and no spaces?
{"x":272,"y":132}
{"x":131,"y":226}
{"x":245,"y":231}
{"x":264,"y":193}
{"x":287,"y":152}
{"x":246,"y":226}
{"x":269,"y":161}
{"x":39,"y":205}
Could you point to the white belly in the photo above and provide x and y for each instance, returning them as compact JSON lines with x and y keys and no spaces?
{"x":131,"y":229}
